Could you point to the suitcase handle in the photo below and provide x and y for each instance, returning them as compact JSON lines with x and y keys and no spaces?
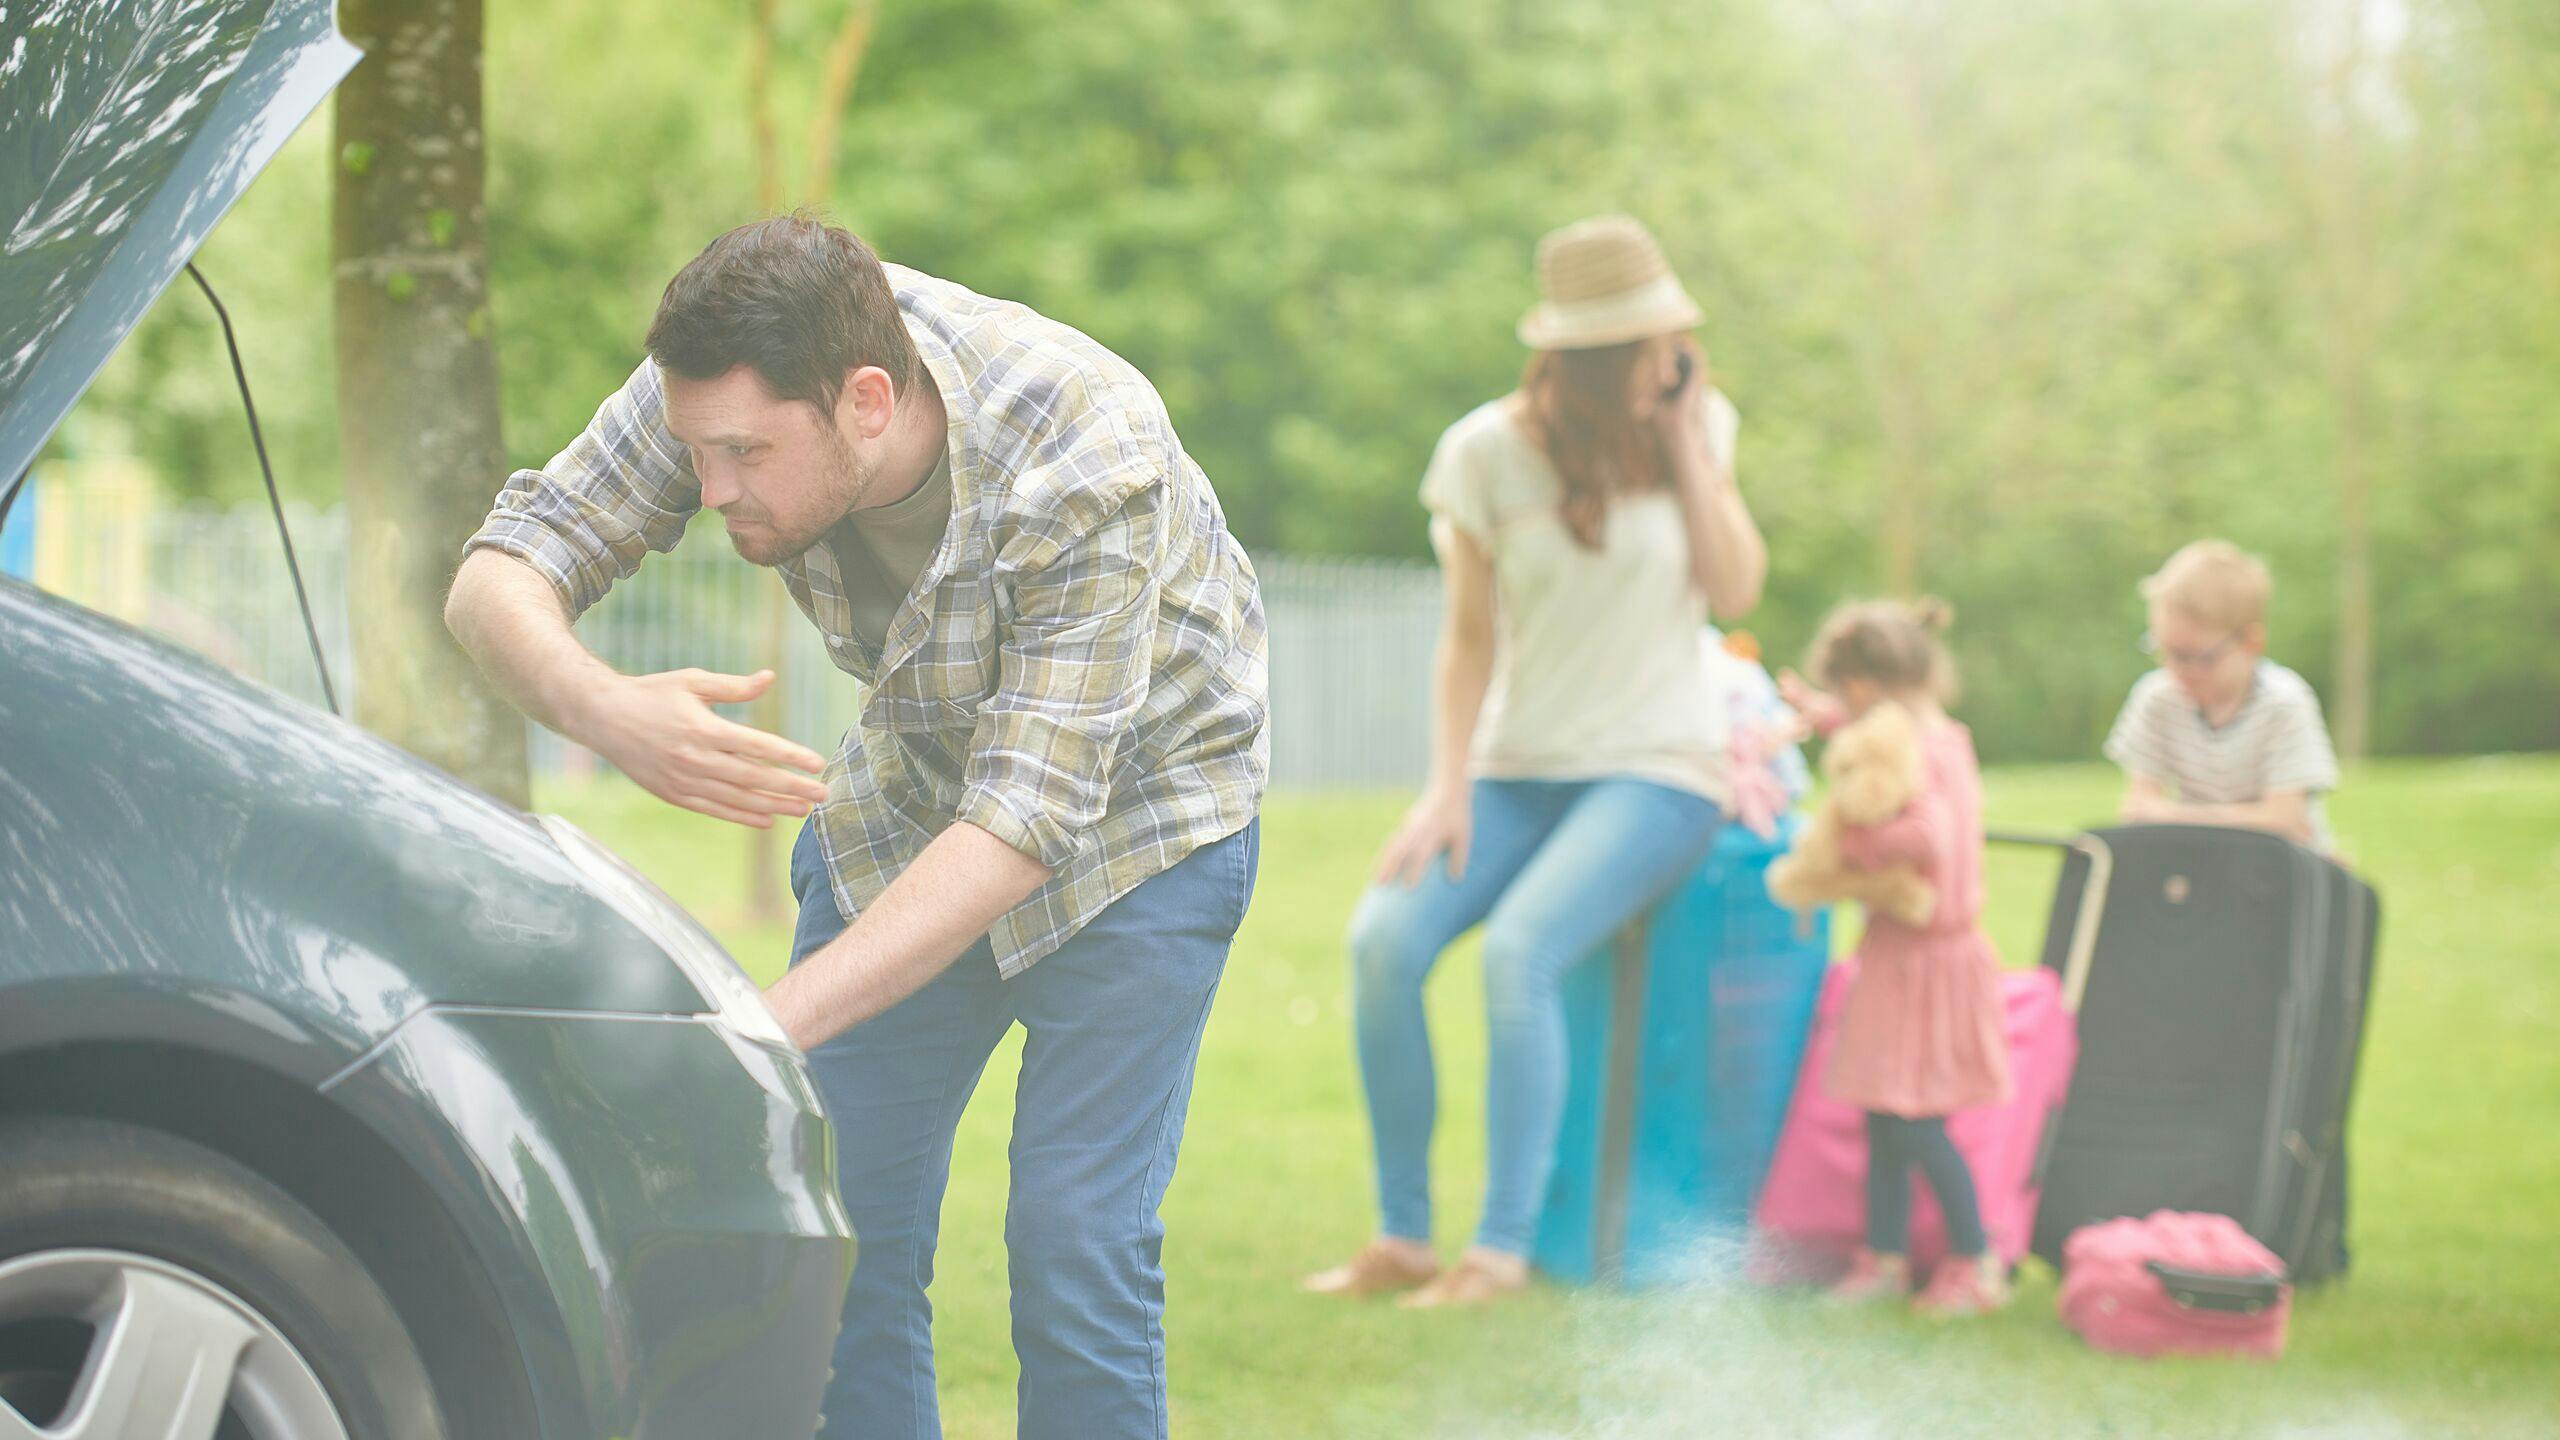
{"x":2093,"y":901}
{"x":2223,"y":1293}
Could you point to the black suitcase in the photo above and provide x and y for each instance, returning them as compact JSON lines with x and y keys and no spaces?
{"x":2218,"y":1038}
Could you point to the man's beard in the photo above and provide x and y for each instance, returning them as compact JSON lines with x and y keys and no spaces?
{"x":841,"y":481}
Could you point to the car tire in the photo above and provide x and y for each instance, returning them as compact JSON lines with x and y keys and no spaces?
{"x":87,"y":1204}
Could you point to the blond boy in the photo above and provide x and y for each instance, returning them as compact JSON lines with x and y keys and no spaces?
{"x":2220,"y":734}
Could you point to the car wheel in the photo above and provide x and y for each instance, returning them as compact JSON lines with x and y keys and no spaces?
{"x":150,"y":1287}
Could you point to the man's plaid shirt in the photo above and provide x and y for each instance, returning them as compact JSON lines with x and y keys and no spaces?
{"x":1080,"y":669}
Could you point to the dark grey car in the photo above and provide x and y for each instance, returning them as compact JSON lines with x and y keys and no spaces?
{"x":336,"y":1098}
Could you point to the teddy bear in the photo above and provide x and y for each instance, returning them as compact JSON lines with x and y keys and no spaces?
{"x":1872,"y":766}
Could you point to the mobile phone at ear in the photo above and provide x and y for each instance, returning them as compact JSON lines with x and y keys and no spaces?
{"x":1686,"y":366}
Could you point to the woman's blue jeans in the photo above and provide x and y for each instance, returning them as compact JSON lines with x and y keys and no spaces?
{"x":1555,"y":868}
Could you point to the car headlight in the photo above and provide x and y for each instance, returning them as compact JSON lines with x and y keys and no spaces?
{"x":733,"y":996}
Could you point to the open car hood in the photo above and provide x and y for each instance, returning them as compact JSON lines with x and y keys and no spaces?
{"x":130,"y":128}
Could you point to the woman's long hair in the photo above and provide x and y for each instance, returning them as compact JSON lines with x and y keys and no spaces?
{"x":1577,"y":414}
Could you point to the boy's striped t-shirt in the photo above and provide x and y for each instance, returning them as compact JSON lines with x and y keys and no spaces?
{"x":2276,"y":742}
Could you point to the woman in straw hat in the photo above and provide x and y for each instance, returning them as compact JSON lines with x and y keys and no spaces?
{"x":1587,"y":524}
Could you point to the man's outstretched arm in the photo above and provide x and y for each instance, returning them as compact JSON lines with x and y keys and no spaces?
{"x":658,"y":729}
{"x":510,"y":621}
{"x":936,"y":909}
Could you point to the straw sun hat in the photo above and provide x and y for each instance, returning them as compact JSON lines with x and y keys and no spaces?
{"x":1604,"y":281}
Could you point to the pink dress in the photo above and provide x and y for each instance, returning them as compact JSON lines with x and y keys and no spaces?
{"x":1920,"y":1034}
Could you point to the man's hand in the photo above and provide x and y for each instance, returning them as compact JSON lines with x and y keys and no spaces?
{"x":928,"y":917}
{"x":658,"y":729}
{"x":662,"y":732}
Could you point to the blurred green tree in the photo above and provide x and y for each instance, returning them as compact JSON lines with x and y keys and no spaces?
{"x":2015,"y":297}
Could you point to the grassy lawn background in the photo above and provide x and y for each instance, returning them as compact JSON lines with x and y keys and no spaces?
{"x":2449,"y":1325}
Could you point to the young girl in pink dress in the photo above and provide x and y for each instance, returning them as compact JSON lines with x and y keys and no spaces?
{"x":1920,"y":1035}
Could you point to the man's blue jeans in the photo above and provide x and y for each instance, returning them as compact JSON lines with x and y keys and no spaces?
{"x":1554,"y":868}
{"x":1113,"y":1021}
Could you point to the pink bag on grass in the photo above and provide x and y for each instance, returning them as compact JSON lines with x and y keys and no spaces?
{"x":2173,"y":1283}
{"x":1812,"y":1215}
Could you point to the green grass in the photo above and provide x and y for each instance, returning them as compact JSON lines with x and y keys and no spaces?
{"x":2450,"y":1324}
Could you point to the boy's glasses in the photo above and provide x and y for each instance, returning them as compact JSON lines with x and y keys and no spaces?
{"x":2203,"y":659}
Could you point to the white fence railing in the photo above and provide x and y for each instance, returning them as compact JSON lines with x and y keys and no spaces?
{"x":1351,"y":640}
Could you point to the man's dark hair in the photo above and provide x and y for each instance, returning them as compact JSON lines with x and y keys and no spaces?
{"x":801,"y":302}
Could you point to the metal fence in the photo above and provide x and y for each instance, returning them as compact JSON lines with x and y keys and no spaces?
{"x":1351,"y":640}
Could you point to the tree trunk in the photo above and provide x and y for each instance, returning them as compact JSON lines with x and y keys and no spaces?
{"x":2353,"y":707}
{"x":417,"y":378}
{"x":1904,"y":340}
{"x":2354,"y":292}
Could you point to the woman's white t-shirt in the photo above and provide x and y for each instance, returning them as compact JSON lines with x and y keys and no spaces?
{"x":1596,"y":666}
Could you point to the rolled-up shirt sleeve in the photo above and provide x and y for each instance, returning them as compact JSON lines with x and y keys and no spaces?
{"x":587,"y":519}
{"x":1071,"y":677}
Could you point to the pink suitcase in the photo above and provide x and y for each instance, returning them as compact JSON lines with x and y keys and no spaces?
{"x":2173,"y":1283}
{"x":1812,"y":1215}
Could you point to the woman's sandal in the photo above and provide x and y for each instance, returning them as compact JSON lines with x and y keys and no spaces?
{"x":1479,"y":1278}
{"x":1380,"y":1268}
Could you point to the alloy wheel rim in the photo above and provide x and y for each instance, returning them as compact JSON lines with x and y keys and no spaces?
{"x":171,"y":1355}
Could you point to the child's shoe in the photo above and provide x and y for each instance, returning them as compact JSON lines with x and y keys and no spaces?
{"x":1964,"y":1285}
{"x":1871,"y":1277}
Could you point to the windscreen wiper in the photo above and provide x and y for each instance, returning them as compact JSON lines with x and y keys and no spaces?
{"x":258,"y":438}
